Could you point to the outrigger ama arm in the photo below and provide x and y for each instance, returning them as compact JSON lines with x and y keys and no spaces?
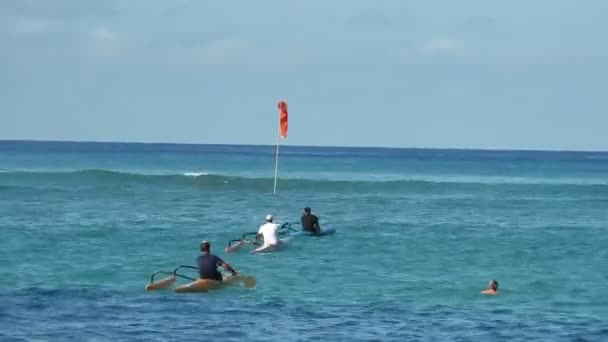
{"x":167,"y":281}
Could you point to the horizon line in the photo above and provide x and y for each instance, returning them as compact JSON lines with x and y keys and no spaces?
{"x":498,"y":149}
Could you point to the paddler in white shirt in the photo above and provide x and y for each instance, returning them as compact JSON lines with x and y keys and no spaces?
{"x":269,"y":233}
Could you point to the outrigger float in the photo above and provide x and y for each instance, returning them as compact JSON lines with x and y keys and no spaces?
{"x":196,"y":285}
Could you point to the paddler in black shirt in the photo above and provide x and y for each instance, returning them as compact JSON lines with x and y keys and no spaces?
{"x":310,"y":222}
{"x":207,"y":264}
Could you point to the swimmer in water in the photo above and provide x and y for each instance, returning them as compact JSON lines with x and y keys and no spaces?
{"x":492,"y":288}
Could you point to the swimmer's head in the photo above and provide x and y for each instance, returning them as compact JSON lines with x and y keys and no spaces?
{"x":307,"y":210}
{"x":205,"y":246}
{"x":493,"y":285}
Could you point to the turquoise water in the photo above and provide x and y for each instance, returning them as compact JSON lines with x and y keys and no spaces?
{"x":419,"y":234}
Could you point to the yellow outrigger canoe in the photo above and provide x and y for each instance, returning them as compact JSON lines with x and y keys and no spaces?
{"x":196,"y":285}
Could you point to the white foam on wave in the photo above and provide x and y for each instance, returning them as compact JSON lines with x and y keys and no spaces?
{"x":195,"y":174}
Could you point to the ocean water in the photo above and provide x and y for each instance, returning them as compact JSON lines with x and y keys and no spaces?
{"x":419,"y":234}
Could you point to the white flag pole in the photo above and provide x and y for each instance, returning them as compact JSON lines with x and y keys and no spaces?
{"x":276,"y":166}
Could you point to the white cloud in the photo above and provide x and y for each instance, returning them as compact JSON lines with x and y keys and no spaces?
{"x":442,"y":44}
{"x":103,"y":43}
{"x":221,"y":51}
{"x":32,"y":26}
{"x":226,"y":52}
{"x":103,"y":34}
{"x":273,"y":54}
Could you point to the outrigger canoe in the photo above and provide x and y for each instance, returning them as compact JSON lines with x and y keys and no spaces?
{"x":251,"y":240}
{"x":286,"y":233}
{"x":196,"y":285}
{"x":324,"y":231}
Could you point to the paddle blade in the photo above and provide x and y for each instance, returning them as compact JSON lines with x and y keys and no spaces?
{"x":248,"y":281}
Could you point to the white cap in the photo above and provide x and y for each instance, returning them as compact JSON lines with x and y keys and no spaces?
{"x":269,"y":217}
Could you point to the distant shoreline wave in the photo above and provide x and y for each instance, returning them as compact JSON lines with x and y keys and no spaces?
{"x":200,"y":178}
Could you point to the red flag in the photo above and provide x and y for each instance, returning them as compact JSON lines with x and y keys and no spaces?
{"x":282,"y":106}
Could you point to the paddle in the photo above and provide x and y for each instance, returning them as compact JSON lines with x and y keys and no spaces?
{"x":248,"y":281}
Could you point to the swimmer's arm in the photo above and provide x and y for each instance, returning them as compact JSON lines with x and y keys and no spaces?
{"x":259,"y":235}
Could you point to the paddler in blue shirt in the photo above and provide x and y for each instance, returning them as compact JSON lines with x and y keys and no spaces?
{"x":310,"y":222}
{"x":208,"y":263}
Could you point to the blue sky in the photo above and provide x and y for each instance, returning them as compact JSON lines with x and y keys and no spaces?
{"x":472,"y":74}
